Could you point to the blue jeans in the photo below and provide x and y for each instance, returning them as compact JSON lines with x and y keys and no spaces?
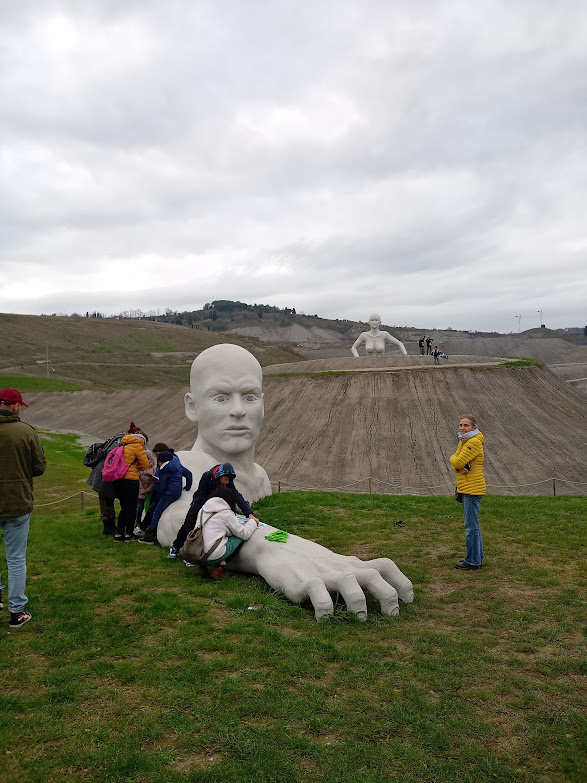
{"x":471,"y":506}
{"x":15,"y":531}
{"x":164,"y":502}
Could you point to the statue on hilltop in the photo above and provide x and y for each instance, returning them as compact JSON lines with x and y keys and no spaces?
{"x":374,"y":340}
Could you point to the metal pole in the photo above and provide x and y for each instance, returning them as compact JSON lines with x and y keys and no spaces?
{"x":278,"y":491}
{"x":370,"y":485}
{"x":47,"y":360}
{"x":554,"y":487}
{"x":81,"y":494}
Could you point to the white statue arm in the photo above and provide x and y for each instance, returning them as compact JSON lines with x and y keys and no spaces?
{"x":389,"y":338}
{"x":359,"y":341}
{"x":303,"y":570}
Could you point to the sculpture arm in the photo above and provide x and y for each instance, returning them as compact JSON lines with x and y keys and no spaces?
{"x":359,"y":341}
{"x":389,"y":338}
{"x":303,"y":570}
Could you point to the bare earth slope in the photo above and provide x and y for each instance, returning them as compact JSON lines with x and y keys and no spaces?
{"x":398,"y":427}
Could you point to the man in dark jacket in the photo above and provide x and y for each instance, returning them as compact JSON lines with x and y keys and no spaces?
{"x":21,"y":458}
{"x":219,"y":475}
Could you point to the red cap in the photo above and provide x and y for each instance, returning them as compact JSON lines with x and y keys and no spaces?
{"x":11,"y":397}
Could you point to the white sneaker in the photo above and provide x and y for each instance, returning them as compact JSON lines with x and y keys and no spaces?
{"x":138,"y":532}
{"x":189,"y":565}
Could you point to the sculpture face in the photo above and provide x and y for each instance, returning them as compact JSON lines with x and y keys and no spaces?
{"x":374,"y":321}
{"x":226,"y":399}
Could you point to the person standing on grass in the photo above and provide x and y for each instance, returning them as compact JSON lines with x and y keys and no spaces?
{"x":105,"y":489}
{"x":126,"y":489}
{"x":21,"y":458}
{"x":467,"y":462}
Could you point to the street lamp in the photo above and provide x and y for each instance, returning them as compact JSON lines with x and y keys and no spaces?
{"x":519,"y":317}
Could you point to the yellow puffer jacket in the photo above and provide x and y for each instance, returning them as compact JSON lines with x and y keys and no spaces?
{"x":471,"y":450}
{"x":135,"y":456}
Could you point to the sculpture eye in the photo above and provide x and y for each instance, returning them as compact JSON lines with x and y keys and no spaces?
{"x":250,"y":398}
{"x":220,"y":398}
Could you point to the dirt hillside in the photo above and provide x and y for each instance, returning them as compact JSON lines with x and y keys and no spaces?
{"x":396,"y":426}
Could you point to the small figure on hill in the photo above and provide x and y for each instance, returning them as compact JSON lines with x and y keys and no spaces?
{"x":436,"y":353}
{"x":21,"y":458}
{"x":219,"y":476}
{"x":169,"y":489}
{"x":375,"y":340}
{"x":467,"y":462}
{"x":421,"y":343}
{"x":428,"y":346}
{"x":146,"y":482}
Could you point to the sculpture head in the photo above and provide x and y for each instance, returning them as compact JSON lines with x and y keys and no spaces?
{"x":226,"y":399}
{"x":374,"y":321}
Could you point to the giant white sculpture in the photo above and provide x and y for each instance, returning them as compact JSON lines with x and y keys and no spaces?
{"x":226,"y":401}
{"x":374,"y":340}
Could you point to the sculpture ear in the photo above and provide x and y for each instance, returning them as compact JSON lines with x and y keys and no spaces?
{"x":191,"y":410}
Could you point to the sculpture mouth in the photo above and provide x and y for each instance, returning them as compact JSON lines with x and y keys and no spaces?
{"x":237,"y":429}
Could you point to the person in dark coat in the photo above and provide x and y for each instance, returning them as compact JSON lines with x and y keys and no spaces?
{"x":169,"y":489}
{"x":105,"y":489}
{"x":219,"y":475}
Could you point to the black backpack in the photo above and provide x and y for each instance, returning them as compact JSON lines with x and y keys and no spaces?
{"x":98,"y":451}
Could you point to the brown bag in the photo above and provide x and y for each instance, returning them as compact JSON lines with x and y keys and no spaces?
{"x":193,"y":549}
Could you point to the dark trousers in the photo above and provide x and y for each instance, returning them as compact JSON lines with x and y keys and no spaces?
{"x":107,"y":512}
{"x":127,"y":492}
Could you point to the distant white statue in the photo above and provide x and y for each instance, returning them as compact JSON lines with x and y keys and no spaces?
{"x":374,"y":340}
{"x":226,"y":402}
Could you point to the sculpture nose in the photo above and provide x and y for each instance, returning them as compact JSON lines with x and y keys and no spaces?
{"x":237,"y":406}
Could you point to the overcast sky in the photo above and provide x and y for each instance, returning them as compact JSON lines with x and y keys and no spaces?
{"x":421,"y":159}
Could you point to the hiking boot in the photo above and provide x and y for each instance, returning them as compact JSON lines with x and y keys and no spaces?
{"x":138,"y":532}
{"x":128,"y":537}
{"x":189,"y":565}
{"x":150,"y":537}
{"x":219,"y":573}
{"x":18,"y":619}
{"x":172,"y":553}
{"x":202,"y":571}
{"x":109,"y":530}
{"x":466,"y":566}
{"x":118,"y":537}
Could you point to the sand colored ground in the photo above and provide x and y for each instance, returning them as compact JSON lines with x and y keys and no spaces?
{"x":396,"y":426}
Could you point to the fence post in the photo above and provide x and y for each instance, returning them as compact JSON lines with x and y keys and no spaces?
{"x":81,"y":494}
{"x":554,"y":487}
{"x":370,"y":485}
{"x":279,"y":487}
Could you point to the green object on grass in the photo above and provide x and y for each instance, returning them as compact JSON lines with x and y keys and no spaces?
{"x":278,"y":535}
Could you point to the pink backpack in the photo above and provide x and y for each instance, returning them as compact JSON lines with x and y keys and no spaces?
{"x":115,"y":466}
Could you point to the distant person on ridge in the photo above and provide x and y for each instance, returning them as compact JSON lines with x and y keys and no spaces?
{"x":421,"y":342}
{"x":21,"y":458}
{"x":428,"y":346}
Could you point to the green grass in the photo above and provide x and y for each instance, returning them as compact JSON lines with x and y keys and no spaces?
{"x":26,"y":383}
{"x":135,"y":669}
{"x":521,"y":362}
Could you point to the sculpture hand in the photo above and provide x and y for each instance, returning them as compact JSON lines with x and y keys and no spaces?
{"x":302,"y":570}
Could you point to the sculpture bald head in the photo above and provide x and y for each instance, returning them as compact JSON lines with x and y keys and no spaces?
{"x":226,"y":399}
{"x":374,"y":321}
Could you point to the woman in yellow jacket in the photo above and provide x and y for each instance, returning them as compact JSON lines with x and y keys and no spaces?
{"x":467,"y":462}
{"x":126,"y":489}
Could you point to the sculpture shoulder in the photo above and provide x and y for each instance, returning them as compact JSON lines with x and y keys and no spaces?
{"x":197,"y":462}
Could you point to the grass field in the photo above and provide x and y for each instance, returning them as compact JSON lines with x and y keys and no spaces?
{"x":135,"y":669}
{"x":28,"y":383}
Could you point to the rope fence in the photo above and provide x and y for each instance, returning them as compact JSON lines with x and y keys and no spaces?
{"x":283,"y":485}
{"x":372,"y":485}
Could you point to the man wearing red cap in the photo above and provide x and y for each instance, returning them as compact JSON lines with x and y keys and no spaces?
{"x":21,"y":458}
